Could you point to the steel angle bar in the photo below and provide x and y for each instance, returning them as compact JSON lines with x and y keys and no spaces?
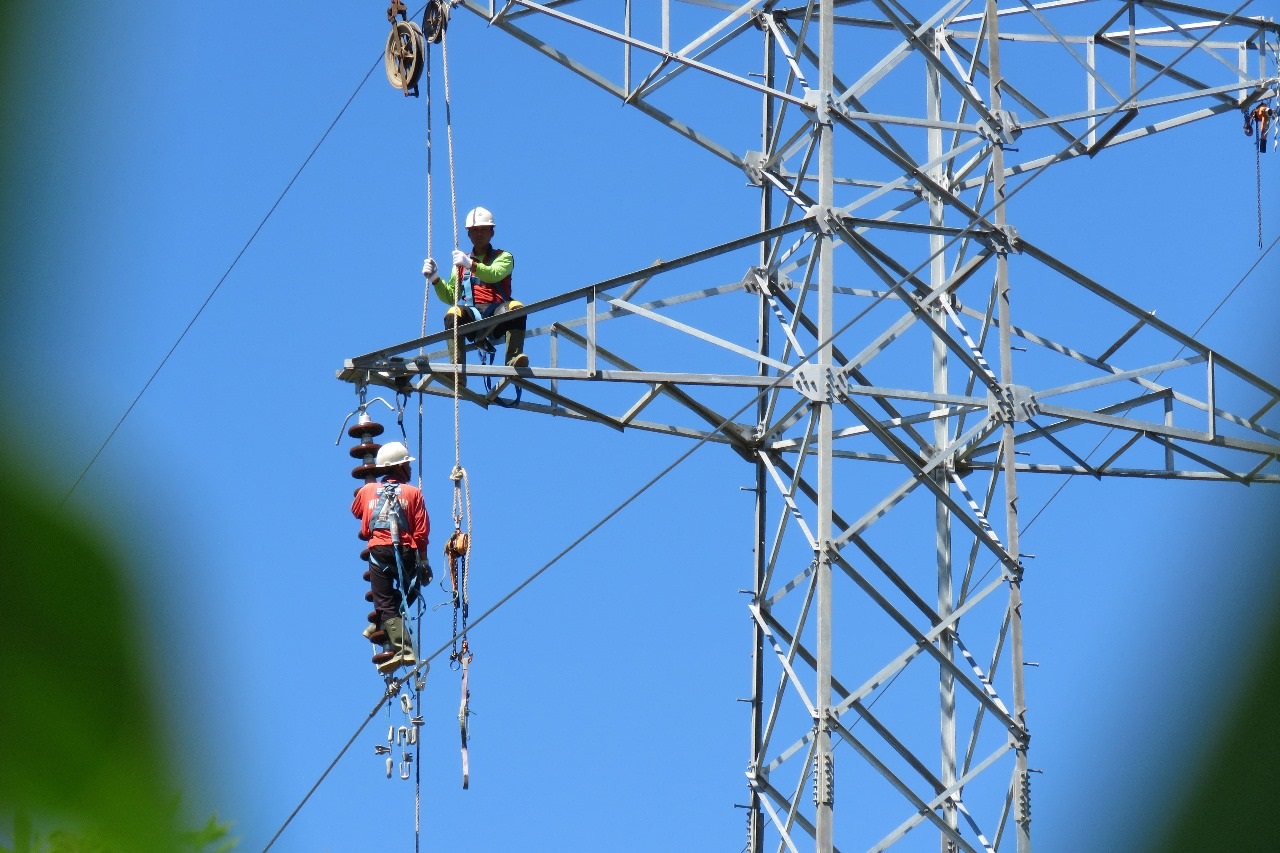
{"x":705,"y":337}
{"x":788,"y":329}
{"x":1233,"y":18}
{"x":892,"y":575}
{"x":911,"y":169}
{"x":1154,"y":9}
{"x":981,"y":676}
{"x":1014,"y":11}
{"x":913,"y":37}
{"x":976,"y":64}
{"x":918,"y":305}
{"x":1097,"y":475}
{"x":910,"y":43}
{"x":862,"y":225}
{"x":977,"y":511}
{"x":1203,"y":406}
{"x":1031,"y":250}
{"x":982,"y":512}
{"x":767,"y":19}
{"x":925,"y":640}
{"x":873,"y":556}
{"x":788,"y":495}
{"x":950,"y":793}
{"x":1252,"y":476}
{"x":783,"y":658}
{"x":573,"y":405}
{"x":1155,"y":430}
{"x":876,"y":560}
{"x":785,"y":422}
{"x":1120,"y":376}
{"x":652,"y":393}
{"x":1129,"y":442}
{"x":688,"y":132}
{"x":1182,"y":451}
{"x":791,"y":585}
{"x":1104,"y":113}
{"x":720,"y":423}
{"x":655,"y":304}
{"x":864,"y":714}
{"x":919,"y":470}
{"x":1129,"y":473}
{"x":1124,"y":339}
{"x":653,"y":82}
{"x":909,"y":485}
{"x":586,"y":291}
{"x":885,"y":403}
{"x":792,"y":676}
{"x":901,"y":420}
{"x":793,"y":815}
{"x":638,"y":44}
{"x":1070,"y":51}
{"x":922,"y":806}
{"x":794,"y":648}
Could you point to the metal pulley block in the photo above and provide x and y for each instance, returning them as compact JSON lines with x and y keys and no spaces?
{"x":404,"y":55}
{"x":434,"y":20}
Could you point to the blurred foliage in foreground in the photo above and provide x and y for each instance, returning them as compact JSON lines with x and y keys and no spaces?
{"x":81,"y":740}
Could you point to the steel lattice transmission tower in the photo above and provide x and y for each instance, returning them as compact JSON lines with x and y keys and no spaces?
{"x":861,"y":356}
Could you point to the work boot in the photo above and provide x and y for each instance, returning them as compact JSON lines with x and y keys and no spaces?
{"x":400,"y":644}
{"x":514,"y":355}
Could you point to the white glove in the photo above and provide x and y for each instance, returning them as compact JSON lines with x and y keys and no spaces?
{"x":429,"y":269}
{"x":461,"y":259}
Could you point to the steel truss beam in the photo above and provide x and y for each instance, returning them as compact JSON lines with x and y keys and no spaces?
{"x":892,"y":144}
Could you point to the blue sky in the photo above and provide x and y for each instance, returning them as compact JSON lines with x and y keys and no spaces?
{"x":605,"y":694}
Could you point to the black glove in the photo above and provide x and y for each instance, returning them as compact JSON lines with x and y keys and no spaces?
{"x":424,"y":571}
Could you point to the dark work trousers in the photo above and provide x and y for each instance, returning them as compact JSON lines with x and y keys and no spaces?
{"x":484,"y":311}
{"x":384,"y":578}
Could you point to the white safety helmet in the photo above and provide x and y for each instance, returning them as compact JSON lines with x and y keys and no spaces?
{"x":479,"y":218}
{"x":392,"y":454}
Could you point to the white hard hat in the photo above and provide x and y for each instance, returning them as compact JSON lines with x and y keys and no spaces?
{"x":479,"y":217}
{"x":393,"y":453}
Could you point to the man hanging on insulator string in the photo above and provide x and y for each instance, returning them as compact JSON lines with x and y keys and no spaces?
{"x":393,"y":519}
{"x":487,"y":271}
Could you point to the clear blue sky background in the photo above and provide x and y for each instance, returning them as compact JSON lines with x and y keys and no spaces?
{"x":157,"y":137}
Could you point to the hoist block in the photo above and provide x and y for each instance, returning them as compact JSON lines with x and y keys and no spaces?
{"x":434,"y":20}
{"x":404,"y":56}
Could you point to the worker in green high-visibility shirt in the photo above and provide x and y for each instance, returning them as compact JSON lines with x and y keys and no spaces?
{"x":486,"y":271}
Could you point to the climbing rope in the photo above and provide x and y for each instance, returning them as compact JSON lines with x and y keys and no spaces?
{"x":458,"y":547}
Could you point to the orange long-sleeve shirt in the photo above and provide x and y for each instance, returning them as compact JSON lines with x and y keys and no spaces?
{"x":365,"y":504}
